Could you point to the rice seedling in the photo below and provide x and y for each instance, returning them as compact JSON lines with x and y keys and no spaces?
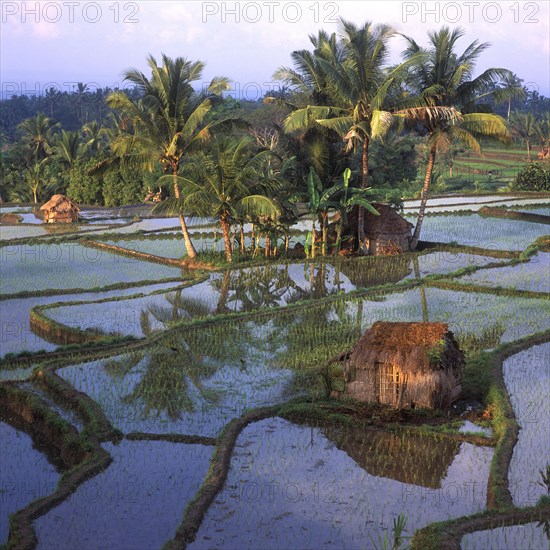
{"x":473,"y":230}
{"x":530,"y":535}
{"x":312,"y":487}
{"x":26,"y":474}
{"x":15,"y":330}
{"x":71,"y":265}
{"x":148,"y":483}
{"x":532,"y":275}
{"x":527,"y":377}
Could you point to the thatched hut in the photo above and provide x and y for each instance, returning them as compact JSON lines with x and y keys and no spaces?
{"x":388,"y":233}
{"x":60,"y":209}
{"x":405,"y":365}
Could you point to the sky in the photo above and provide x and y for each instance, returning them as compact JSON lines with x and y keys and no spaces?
{"x":59,"y":43}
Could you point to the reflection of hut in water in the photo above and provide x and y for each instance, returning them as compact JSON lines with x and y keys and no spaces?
{"x":369,"y":272}
{"x":405,"y":365}
{"x":60,"y":209}
{"x":387,"y":233}
{"x":417,"y":460}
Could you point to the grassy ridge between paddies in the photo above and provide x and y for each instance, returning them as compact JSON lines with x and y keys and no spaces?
{"x":484,"y":378}
{"x":81,"y":457}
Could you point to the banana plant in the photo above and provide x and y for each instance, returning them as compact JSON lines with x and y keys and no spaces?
{"x":321,"y":201}
{"x":350,"y":197}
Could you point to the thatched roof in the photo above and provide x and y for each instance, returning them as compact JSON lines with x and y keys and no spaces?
{"x":60,"y":203}
{"x":411,"y":346}
{"x":389,"y":221}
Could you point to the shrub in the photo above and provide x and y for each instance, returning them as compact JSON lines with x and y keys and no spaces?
{"x":534,"y":177}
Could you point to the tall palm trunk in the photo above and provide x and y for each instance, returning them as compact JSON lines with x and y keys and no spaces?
{"x":528,"y":142}
{"x":324,"y":224}
{"x":424,"y":198}
{"x":226,"y":237}
{"x":242,"y":239}
{"x":191,"y":252}
{"x":364,"y":180}
{"x":423,"y":299}
{"x":224,"y":293}
{"x":313,"y":238}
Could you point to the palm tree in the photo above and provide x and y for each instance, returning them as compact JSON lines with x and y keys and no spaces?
{"x":308,"y":144}
{"x":525,"y":127}
{"x":37,"y":135}
{"x":68,"y":148}
{"x":51,"y":97}
{"x":81,"y":92}
{"x":510,"y":88}
{"x":224,"y":183}
{"x":445,"y":79}
{"x":168,"y":121}
{"x":358,"y":84}
{"x":95,"y":137}
{"x":36,"y":178}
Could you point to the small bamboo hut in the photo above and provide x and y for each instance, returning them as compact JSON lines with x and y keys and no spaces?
{"x":386,"y":234}
{"x":60,"y":209}
{"x":405,"y":365}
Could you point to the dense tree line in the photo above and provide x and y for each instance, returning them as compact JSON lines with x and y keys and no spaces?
{"x":345,"y":129}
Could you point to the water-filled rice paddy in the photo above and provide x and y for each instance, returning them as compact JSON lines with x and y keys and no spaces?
{"x":16,"y":334}
{"x":466,"y":312}
{"x":515,"y":537}
{"x":474,"y":230}
{"x":10,"y":232}
{"x":289,"y":485}
{"x":307,"y":487}
{"x":26,"y":474}
{"x":193,"y":390}
{"x":533,"y":275}
{"x":527,"y":377}
{"x":137,"y":502}
{"x":71,"y":265}
{"x":542,"y":210}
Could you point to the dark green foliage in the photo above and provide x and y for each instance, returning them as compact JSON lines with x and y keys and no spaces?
{"x":84,"y":188}
{"x":393,"y":160}
{"x":534,"y":177}
{"x":125,"y":186}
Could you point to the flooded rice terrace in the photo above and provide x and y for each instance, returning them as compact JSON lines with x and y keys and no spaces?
{"x":191,"y":407}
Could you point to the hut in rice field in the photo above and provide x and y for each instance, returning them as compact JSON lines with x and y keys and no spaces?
{"x":385,"y":234}
{"x":405,"y":365}
{"x":60,"y":209}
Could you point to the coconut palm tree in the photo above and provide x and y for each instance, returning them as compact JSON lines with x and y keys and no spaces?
{"x":358,"y":83}
{"x":510,"y":88}
{"x":36,"y":178}
{"x":37,"y":135}
{"x":94,"y":136}
{"x":224,"y":183}
{"x":308,"y":144}
{"x":168,"y":121}
{"x":68,"y":148}
{"x":525,"y":127}
{"x":445,"y":79}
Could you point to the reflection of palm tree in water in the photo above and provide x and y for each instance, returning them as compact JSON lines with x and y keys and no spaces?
{"x":423,"y":299}
{"x":176,"y":369}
